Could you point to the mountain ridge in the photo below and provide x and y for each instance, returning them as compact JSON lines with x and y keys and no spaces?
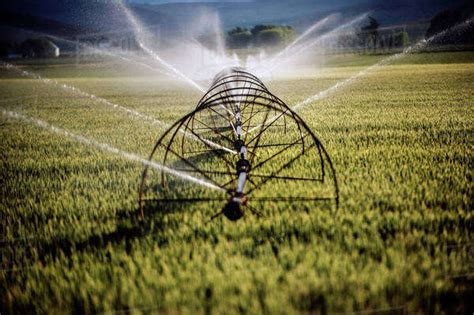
{"x":90,"y":16}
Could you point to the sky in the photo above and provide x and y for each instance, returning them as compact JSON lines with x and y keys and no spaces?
{"x":181,"y":1}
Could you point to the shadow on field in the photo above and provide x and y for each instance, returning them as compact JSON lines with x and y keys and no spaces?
{"x":129,"y":227}
{"x":198,"y":158}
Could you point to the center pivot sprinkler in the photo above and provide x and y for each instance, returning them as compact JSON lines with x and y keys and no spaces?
{"x":246,"y":145}
{"x":233,"y":209}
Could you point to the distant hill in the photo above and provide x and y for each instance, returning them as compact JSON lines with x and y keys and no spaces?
{"x":85,"y":16}
{"x":39,"y":24}
{"x":449,"y":18}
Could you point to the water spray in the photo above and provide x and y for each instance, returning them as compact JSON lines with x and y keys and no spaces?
{"x":139,"y":32}
{"x":411,"y":49}
{"x":79,"y":92}
{"x":113,"y":55}
{"x":108,"y":148}
{"x":294,"y":51}
{"x":283,"y":53}
{"x":420,"y":45}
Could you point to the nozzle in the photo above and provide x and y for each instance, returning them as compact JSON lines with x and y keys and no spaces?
{"x":233,"y":210}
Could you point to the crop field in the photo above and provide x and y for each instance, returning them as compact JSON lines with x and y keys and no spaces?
{"x":401,"y":241}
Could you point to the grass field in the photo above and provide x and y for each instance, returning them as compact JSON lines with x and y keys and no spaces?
{"x":402,"y":240}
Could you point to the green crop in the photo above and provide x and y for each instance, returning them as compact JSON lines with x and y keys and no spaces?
{"x":400,"y":138}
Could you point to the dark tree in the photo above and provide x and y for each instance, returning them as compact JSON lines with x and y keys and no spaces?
{"x":274,"y":36}
{"x":6,"y":47}
{"x":369,"y":33}
{"x":260,"y":27}
{"x":259,"y":35}
{"x":449,"y":18}
{"x":239,"y":39}
{"x":38,"y":47}
{"x":237,"y":30}
{"x":400,"y":39}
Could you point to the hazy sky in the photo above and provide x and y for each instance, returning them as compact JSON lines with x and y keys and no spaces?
{"x":181,"y":1}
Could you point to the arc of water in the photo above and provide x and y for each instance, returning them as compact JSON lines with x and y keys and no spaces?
{"x":110,"y":54}
{"x":132,"y":112}
{"x":141,"y":64}
{"x":219,"y":38}
{"x":79,"y":92}
{"x":170,"y":67}
{"x":411,"y":49}
{"x":138,"y":29}
{"x":305,"y":46}
{"x":110,"y":149}
{"x":305,"y":34}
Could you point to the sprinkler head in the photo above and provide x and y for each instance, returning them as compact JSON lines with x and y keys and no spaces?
{"x":243,"y":166}
{"x":233,"y":210}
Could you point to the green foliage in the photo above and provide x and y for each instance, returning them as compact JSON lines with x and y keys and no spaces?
{"x":6,"y":47}
{"x":368,"y":34}
{"x":239,"y":39}
{"x":401,"y":142}
{"x":400,"y":39}
{"x":238,"y":30}
{"x":275,"y":36}
{"x":260,"y":35}
{"x":261,"y":27}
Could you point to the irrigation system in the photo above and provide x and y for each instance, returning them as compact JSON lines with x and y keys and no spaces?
{"x":280,"y":161}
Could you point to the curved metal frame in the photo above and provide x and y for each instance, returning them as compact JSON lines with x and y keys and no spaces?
{"x":221,"y":110}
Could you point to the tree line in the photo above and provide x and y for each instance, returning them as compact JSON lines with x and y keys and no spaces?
{"x":367,"y":38}
{"x":41,"y":47}
{"x":260,"y":35}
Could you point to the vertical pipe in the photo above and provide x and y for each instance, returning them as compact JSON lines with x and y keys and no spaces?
{"x":242,"y":151}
